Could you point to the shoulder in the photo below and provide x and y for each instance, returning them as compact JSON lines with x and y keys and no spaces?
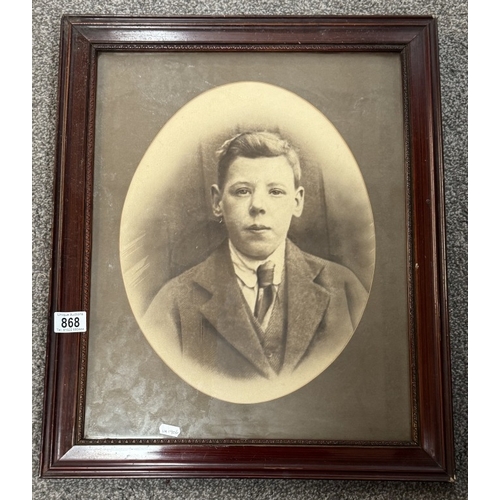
{"x":330,"y":273}
{"x":330,"y":268}
{"x":183,"y":283}
{"x":336,"y":278}
{"x":195,"y":281}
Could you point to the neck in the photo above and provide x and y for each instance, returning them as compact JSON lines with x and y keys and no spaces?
{"x":254,"y":262}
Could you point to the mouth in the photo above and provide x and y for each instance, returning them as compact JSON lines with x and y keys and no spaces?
{"x":258,"y":228}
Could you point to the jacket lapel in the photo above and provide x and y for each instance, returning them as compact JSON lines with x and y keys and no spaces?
{"x":307,"y":303}
{"x":226,"y":310}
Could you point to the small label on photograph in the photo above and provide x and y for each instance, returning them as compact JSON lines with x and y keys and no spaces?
{"x":70,"y":322}
{"x":170,"y":430}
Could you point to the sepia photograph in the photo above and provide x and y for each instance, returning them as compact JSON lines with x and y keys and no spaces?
{"x":255,"y":268}
{"x":258,"y":317}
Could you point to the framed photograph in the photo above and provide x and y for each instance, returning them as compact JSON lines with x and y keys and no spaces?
{"x":249,"y":274}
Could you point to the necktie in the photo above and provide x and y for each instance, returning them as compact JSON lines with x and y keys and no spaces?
{"x":265,"y":275}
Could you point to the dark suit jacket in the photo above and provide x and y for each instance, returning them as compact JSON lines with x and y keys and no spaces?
{"x":204,"y":312}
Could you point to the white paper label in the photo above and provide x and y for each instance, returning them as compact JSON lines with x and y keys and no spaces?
{"x":170,"y":430}
{"x":70,"y":322}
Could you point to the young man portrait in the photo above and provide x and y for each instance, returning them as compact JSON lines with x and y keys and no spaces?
{"x":258,"y":306}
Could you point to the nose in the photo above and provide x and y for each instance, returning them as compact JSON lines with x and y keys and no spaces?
{"x":257,"y":204}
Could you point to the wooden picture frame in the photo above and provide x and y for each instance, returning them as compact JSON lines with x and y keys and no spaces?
{"x":74,"y":443}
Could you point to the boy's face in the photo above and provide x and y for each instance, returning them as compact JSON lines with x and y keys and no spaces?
{"x":257,"y":203}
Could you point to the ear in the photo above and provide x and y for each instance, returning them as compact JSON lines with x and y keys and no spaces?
{"x":299,"y":202}
{"x":216,"y":200}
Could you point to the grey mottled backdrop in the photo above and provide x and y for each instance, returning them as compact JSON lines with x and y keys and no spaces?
{"x":452,"y":24}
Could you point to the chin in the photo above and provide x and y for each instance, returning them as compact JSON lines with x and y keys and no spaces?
{"x":258,"y":254}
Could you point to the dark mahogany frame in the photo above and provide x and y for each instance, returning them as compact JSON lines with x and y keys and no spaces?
{"x":65,"y":453}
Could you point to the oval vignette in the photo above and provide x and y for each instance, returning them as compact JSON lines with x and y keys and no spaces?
{"x":167,"y":228}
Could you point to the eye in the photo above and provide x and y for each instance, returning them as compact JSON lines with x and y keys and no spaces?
{"x":242,"y":191}
{"x":276,"y":192}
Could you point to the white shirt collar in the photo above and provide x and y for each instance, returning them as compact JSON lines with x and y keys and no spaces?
{"x":246,"y":269}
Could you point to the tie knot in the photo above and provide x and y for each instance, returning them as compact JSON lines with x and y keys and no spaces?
{"x":265,"y":274}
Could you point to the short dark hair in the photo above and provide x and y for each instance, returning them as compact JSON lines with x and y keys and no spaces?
{"x":256,"y":145}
